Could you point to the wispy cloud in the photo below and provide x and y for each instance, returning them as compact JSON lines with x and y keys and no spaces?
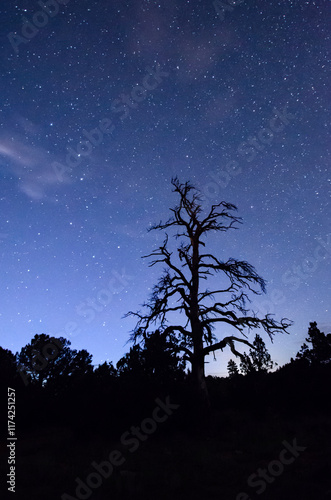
{"x":29,"y":163}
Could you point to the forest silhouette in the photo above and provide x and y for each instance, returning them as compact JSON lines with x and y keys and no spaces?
{"x":69,"y":413}
{"x":167,"y":429}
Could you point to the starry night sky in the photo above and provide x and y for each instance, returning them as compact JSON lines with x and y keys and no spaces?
{"x":232,"y":98}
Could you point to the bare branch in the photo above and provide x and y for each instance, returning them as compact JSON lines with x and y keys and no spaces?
{"x":227,"y":341}
{"x":179,"y":288}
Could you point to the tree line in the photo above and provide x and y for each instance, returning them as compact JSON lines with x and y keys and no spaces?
{"x":50,"y":363}
{"x":213,"y":318}
{"x":67,"y":389}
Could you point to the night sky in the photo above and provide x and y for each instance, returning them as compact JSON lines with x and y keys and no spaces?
{"x":232,"y":98}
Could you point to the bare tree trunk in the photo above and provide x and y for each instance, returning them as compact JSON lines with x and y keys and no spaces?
{"x":200,"y":386}
{"x":198,"y":364}
{"x":199,"y":379}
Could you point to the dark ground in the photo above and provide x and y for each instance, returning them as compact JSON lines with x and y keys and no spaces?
{"x":209,"y":461}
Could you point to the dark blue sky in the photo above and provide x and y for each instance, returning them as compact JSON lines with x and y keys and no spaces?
{"x":232,"y":98}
